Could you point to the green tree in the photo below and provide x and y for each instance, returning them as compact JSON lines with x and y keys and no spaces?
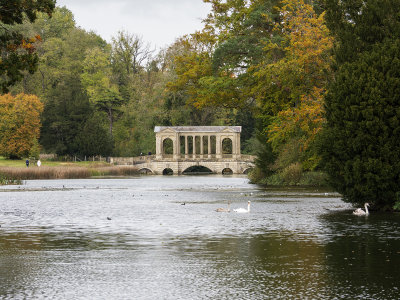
{"x":17,"y":52}
{"x":58,"y":81}
{"x":97,"y":79}
{"x":360,"y":141}
{"x":94,"y":138}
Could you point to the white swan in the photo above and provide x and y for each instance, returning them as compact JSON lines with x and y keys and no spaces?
{"x":243,"y":210}
{"x":224,"y":209}
{"x":360,"y":212}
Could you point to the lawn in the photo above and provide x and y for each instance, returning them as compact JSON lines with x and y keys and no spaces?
{"x":20,"y":163}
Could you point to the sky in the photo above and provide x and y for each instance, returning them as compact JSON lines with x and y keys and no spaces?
{"x":158,"y":22}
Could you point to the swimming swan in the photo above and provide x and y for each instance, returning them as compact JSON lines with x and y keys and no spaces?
{"x":224,"y":209}
{"x":360,"y":212}
{"x":243,"y":210}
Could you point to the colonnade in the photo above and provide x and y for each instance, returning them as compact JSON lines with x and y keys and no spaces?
{"x":206,"y":134}
{"x":210,"y":151}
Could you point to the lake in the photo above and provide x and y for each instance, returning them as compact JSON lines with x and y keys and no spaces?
{"x":159,"y":237}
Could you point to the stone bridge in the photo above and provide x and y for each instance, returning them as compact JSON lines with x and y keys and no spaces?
{"x":186,"y":148}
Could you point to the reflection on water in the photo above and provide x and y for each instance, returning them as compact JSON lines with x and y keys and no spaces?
{"x":134,"y":238}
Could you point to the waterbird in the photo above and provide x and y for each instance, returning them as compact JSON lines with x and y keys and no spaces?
{"x":183,"y":203}
{"x":108,"y":218}
{"x":243,"y":210}
{"x":360,"y":212}
{"x":220,"y":209}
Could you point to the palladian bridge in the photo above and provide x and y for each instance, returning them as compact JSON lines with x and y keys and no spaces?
{"x":182,"y":149}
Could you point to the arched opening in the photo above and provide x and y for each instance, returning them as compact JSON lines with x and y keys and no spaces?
{"x":168,"y":171}
{"x":227,"y":171}
{"x":168,"y":146}
{"x":197,"y":170}
{"x":247,"y":171}
{"x":145,"y":171}
{"x":227,"y":147}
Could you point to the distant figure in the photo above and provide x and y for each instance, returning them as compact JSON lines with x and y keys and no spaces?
{"x":27,"y":163}
{"x":39,"y":163}
{"x":141,"y":153}
{"x":149,"y":153}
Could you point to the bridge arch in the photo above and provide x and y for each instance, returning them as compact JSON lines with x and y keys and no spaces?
{"x":227,"y":171}
{"x":197,"y":169}
{"x":247,"y":170}
{"x":146,"y":171}
{"x":168,"y":171}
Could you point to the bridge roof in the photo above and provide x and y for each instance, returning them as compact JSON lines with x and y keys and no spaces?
{"x":199,"y":128}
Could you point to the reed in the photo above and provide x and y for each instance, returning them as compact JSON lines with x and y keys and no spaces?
{"x":115,"y":171}
{"x":45,"y":173}
{"x":63,"y":172}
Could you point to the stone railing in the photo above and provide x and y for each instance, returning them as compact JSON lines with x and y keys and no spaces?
{"x":132,"y":160}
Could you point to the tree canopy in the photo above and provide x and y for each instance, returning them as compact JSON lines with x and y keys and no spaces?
{"x":19,"y":124}
{"x":17,"y":51}
{"x":360,"y":142}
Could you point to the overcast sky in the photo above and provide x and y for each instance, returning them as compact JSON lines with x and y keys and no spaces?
{"x":159,"y":22}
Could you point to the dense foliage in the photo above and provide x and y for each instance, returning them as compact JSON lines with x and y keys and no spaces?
{"x":17,"y":50}
{"x":271,"y":60}
{"x":19,"y":124}
{"x":360,"y":145}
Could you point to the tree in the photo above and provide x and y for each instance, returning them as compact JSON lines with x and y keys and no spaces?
{"x":360,"y":140}
{"x":19,"y":124}
{"x":290,"y":87}
{"x":97,"y":79}
{"x":94,"y":138}
{"x":17,"y":53}
{"x":129,"y":52}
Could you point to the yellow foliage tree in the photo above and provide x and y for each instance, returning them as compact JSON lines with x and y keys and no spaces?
{"x":298,"y":79}
{"x":19,"y":124}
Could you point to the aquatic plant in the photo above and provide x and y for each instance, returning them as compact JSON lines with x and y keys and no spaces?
{"x":64,"y":172}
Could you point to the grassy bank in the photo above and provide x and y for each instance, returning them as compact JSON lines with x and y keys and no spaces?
{"x":315,"y":178}
{"x":13,"y":171}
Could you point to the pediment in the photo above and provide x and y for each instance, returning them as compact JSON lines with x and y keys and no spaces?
{"x":167,"y":130}
{"x":228,"y":129}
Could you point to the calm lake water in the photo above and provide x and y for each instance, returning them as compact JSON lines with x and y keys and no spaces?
{"x":133,"y":239}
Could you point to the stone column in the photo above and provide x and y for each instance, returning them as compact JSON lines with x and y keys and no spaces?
{"x":194,"y":146}
{"x":158,"y":147}
{"x":186,"y":146}
{"x":209,"y":146}
{"x":201,"y":146}
{"x":218,"y":146}
{"x":238,"y":154}
{"x":176,"y":147}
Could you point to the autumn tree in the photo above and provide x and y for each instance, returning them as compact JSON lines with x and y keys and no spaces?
{"x":19,"y":124}
{"x":290,"y":86}
{"x":17,"y":52}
